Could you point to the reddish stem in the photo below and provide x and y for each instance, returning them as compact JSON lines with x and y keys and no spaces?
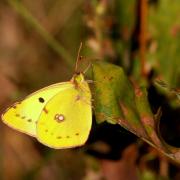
{"x":143,"y":35}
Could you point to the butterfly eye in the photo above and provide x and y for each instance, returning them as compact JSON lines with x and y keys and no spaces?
{"x":41,"y":100}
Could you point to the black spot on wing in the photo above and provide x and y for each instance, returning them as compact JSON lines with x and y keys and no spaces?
{"x":41,"y":100}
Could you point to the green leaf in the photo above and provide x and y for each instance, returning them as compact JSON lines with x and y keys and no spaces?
{"x":113,"y":94}
{"x":106,"y":88}
{"x":164,"y":49}
{"x":117,"y":101}
{"x":172,"y":93}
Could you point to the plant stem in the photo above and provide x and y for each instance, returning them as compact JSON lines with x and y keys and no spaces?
{"x":143,"y":35}
{"x":54,"y":44}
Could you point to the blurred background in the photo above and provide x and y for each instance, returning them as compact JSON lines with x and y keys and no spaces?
{"x":39,"y":41}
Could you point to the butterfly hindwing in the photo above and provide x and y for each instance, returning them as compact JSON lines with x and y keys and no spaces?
{"x":67,"y":120}
{"x":23,"y":115}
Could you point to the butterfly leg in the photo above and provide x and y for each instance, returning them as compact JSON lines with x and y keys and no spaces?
{"x":89,"y":81}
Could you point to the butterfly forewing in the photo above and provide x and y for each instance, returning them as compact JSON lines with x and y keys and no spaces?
{"x":23,"y":115}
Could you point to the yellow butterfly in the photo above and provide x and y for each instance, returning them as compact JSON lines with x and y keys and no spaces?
{"x":59,"y":116}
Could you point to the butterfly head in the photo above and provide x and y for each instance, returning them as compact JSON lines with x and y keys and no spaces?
{"x":78,"y":78}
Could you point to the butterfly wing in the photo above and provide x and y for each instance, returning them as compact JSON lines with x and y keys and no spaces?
{"x":68,"y":118}
{"x":23,"y":115}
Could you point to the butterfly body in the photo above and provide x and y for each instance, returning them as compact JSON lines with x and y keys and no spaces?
{"x":59,"y":115}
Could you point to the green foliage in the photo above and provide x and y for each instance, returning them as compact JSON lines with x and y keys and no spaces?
{"x":116,"y":101}
{"x":124,"y":11}
{"x":164,"y":30}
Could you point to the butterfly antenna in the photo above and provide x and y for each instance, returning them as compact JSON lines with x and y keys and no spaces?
{"x":87,"y":68}
{"x":78,"y":57}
